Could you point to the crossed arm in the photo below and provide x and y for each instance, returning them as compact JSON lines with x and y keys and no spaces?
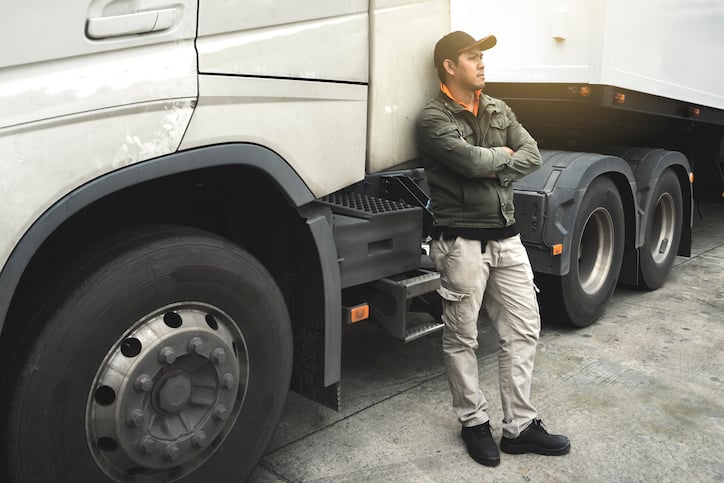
{"x":440,"y":136}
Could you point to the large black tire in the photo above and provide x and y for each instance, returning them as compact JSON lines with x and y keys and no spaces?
{"x":165,"y":356}
{"x":663,"y":232}
{"x":580,"y":297}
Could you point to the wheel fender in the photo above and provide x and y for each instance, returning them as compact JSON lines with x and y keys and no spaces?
{"x":228,"y":154}
{"x":648,"y":166}
{"x":274,"y":166}
{"x":564,"y":177}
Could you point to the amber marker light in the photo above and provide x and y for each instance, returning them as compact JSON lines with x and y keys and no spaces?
{"x":579,"y":91}
{"x":691,"y":178}
{"x":619,"y":98}
{"x":557,"y":249}
{"x":359,"y":313}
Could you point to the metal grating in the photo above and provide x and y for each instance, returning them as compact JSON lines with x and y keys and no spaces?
{"x":368,"y":204}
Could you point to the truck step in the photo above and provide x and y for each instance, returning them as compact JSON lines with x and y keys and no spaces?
{"x":374,"y":237}
{"x":391,"y":299}
{"x":412,"y":285}
{"x":422,"y":330}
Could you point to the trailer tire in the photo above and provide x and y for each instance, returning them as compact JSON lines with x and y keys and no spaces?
{"x":663,"y":232}
{"x":580,"y":297}
{"x":166,"y":356}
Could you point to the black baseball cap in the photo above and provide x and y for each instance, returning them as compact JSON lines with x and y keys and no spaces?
{"x":455,"y":43}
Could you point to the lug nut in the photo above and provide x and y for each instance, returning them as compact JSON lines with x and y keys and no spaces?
{"x":227,"y":381}
{"x":195,"y":345}
{"x":218,"y":356}
{"x":220,"y":412}
{"x":200,"y":440}
{"x":167,"y":355}
{"x":135,"y":418}
{"x":172,"y":452}
{"x":143,"y":383}
{"x":146,"y":445}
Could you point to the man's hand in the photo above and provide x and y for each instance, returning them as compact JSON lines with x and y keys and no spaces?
{"x":507,"y":150}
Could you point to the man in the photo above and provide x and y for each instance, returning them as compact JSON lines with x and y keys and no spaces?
{"x":473,"y":148}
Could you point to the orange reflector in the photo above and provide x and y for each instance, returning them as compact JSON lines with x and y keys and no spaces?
{"x":691,"y":178}
{"x":619,"y":98}
{"x":582,"y":91}
{"x":557,"y":249}
{"x":358,"y":313}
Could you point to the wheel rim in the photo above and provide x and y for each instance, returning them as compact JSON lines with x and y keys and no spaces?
{"x":662,"y":228}
{"x":167,"y":393}
{"x":595,"y":251}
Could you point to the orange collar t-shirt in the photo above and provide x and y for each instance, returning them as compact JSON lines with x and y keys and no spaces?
{"x":473,"y":108}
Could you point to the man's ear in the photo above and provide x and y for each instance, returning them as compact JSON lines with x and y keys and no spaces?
{"x":449,"y":66}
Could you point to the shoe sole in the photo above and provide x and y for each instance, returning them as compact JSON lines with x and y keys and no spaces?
{"x":485,"y":461}
{"x":525,"y":448}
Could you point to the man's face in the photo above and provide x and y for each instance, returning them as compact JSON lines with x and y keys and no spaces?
{"x":469,"y":70}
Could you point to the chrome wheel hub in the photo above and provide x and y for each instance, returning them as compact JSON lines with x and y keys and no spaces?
{"x":167,"y":393}
{"x":662,"y":230}
{"x":595,"y":252}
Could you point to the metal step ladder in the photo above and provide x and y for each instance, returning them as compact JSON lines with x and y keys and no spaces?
{"x":391,"y":300}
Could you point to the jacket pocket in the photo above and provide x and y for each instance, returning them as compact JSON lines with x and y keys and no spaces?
{"x":498,"y":132}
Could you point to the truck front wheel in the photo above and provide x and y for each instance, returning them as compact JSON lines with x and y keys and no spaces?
{"x":167,"y":356}
{"x":580,"y":297}
{"x":663,"y":232}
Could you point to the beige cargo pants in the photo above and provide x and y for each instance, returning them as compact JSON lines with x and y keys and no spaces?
{"x":501,"y":279}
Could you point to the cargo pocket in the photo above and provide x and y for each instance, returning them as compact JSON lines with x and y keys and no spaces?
{"x":458,"y":309}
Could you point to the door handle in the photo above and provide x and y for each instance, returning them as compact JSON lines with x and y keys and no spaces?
{"x":131,"y":23}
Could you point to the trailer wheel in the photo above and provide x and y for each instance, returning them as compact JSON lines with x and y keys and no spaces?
{"x":663,"y":232}
{"x":167,"y":358}
{"x":580,"y":297}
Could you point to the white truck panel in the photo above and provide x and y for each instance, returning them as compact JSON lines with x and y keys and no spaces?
{"x":527,"y":50}
{"x":309,"y":40}
{"x":317,"y":127}
{"x":43,"y":30}
{"x":96,"y":81}
{"x":40,"y":161}
{"x":668,"y":48}
{"x":402,"y":75}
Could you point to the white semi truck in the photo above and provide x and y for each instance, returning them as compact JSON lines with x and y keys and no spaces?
{"x":198,"y":194}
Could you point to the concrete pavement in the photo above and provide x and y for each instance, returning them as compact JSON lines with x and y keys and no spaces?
{"x":640,"y":393}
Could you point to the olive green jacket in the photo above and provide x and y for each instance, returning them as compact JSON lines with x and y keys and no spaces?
{"x":468,"y":171}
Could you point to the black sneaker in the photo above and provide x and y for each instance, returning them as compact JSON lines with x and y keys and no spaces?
{"x":481,"y":445}
{"x":535,"y":439}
